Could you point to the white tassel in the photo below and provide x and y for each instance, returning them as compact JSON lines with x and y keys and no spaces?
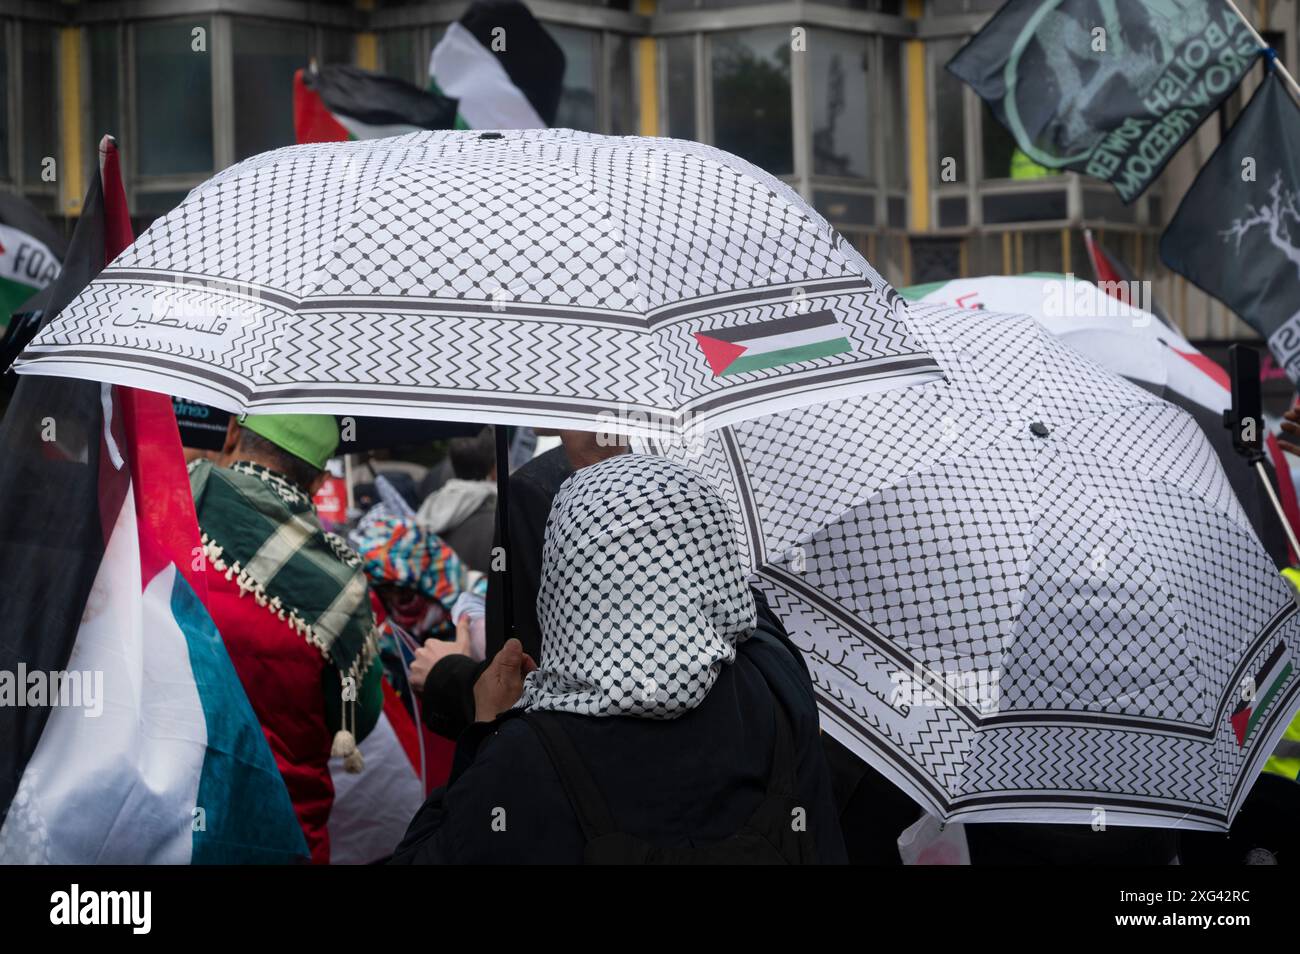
{"x":345,"y":748}
{"x":345,"y":743}
{"x":354,"y":763}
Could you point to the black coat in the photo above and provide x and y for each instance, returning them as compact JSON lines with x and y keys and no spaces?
{"x":447,"y":703}
{"x":697,"y":778}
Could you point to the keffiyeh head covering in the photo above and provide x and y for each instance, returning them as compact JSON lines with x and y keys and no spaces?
{"x":643,"y":595}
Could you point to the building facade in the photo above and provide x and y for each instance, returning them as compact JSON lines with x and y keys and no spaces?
{"x":848,"y":100}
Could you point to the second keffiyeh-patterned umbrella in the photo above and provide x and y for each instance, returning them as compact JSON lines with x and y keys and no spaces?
{"x":1028,"y":594}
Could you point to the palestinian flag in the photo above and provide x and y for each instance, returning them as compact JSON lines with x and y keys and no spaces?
{"x":338,"y":103}
{"x":1272,"y":676}
{"x":500,"y":66}
{"x":1117,"y":279}
{"x":373,"y":809}
{"x":125,"y":736}
{"x":30,"y":252}
{"x":496,"y":68}
{"x":773,"y":344}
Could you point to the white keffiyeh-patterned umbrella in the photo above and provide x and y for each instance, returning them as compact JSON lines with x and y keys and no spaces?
{"x":1027,"y":594}
{"x":540,"y":277}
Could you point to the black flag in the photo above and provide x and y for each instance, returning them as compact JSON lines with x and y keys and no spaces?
{"x":1110,"y":88}
{"x":59,"y":494}
{"x":1237,"y":232}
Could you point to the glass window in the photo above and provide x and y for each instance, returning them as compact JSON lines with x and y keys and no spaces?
{"x":105,"y":104}
{"x":945,"y":7}
{"x":4,"y":104}
{"x":874,"y":6}
{"x":679,"y":86}
{"x":889,"y":258}
{"x":1043,"y":252}
{"x":838,"y":68}
{"x":397,"y":53}
{"x":985,"y":254}
{"x":426,"y":40}
{"x":893,"y":124}
{"x":1038,"y":205}
{"x":846,"y":210}
{"x":624,"y":111}
{"x":935,"y":260}
{"x":336,"y":47}
{"x":751,"y":96}
{"x":948,"y":112}
{"x":1000,"y":160}
{"x":173,"y":98}
{"x":151,"y":205}
{"x":40,"y":138}
{"x":581,"y":58}
{"x":265,"y":58}
{"x":1079,"y":262}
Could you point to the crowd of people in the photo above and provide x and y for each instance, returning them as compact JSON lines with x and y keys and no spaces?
{"x":646,"y":705}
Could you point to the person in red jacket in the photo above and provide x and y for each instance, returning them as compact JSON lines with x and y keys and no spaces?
{"x":292,"y":604}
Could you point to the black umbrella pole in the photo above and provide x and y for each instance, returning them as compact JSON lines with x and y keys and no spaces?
{"x":503,"y":529}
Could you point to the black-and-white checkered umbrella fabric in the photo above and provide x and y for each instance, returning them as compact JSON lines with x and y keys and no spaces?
{"x":541,"y":277}
{"x":1026,"y":594}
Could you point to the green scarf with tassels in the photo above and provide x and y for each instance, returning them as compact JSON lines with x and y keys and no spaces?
{"x":261,"y":530}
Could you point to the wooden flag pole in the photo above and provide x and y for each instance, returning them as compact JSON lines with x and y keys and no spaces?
{"x":1276,"y":64}
{"x":1277,"y":505}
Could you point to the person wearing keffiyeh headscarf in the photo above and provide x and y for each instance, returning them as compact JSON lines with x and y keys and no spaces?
{"x":689,"y":715}
{"x":643,"y":595}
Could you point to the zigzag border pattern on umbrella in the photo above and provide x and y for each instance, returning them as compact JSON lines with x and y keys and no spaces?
{"x":565,"y":275}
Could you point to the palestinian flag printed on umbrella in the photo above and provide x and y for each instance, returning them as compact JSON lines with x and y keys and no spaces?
{"x":774,"y":344}
{"x":125,"y":736}
{"x":501,"y":66}
{"x":30,"y":253}
{"x":340,"y":103}
{"x":1262,"y":689}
